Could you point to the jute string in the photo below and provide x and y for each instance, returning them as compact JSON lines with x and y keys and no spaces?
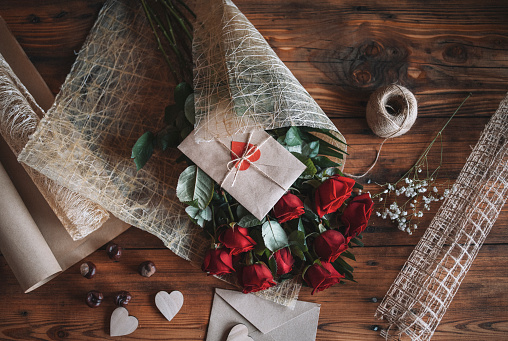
{"x":391,"y":112}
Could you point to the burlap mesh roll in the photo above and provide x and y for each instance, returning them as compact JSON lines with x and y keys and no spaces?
{"x":19,"y":117}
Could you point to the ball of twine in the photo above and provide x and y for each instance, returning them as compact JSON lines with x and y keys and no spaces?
{"x":391,"y":111}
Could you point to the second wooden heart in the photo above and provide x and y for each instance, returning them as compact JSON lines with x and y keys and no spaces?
{"x":239,"y":333}
{"x":121,"y":323}
{"x":169,"y":304}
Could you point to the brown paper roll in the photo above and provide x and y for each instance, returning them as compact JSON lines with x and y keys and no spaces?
{"x":21,"y":241}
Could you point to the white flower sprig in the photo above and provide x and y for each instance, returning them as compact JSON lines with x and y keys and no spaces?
{"x":417,"y":188}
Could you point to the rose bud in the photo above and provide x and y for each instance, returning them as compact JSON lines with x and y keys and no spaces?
{"x":356,"y":215}
{"x":288,"y":207}
{"x":321,"y":276}
{"x":284,"y":261}
{"x":237,"y":240}
{"x":329,"y":245}
{"x":256,"y":277}
{"x":332,"y":193}
{"x":217,"y":262}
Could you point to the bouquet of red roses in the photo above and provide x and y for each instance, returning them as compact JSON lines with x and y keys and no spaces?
{"x":262,"y":227}
{"x":310,"y":230}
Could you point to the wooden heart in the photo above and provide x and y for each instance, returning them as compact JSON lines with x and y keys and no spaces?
{"x":121,"y":323}
{"x":239,"y":333}
{"x":169,"y":304}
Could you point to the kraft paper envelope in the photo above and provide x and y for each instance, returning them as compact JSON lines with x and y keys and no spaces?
{"x":257,"y":188}
{"x":265,"y":320}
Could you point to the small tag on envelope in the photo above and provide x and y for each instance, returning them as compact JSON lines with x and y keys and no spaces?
{"x":253,"y":167}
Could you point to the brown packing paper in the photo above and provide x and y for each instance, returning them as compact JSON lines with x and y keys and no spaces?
{"x":65,"y":251}
{"x":269,"y":177}
{"x":21,"y":242}
{"x":265,"y":320}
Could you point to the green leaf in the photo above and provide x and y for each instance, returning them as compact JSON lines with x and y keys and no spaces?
{"x":182,"y":91}
{"x":332,"y":146}
{"x":310,"y":170}
{"x":357,"y":241}
{"x":143,"y":149}
{"x":331,"y":171}
{"x":168,"y":137}
{"x":297,"y":251}
{"x":324,"y":150}
{"x":324,"y":131}
{"x":341,"y":262}
{"x":297,"y":238}
{"x":194,"y":184}
{"x":294,"y":149}
{"x":324,"y":162}
{"x":241,"y":211}
{"x":349,"y":276}
{"x":313,"y":183}
{"x":293,"y":137}
{"x":250,"y":221}
{"x":190,"y":113}
{"x":349,"y":255}
{"x":186,"y":131}
{"x":170,"y":114}
{"x":199,"y":215}
{"x":357,"y":185}
{"x":274,"y":236}
{"x":310,"y":149}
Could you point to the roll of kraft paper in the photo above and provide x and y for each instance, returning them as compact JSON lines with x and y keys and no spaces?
{"x":21,"y":241}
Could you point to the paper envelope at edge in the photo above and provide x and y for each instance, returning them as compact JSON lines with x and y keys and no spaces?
{"x":265,"y":320}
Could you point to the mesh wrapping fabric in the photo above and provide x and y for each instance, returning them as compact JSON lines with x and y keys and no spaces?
{"x":240,"y":83}
{"x":116,"y":90}
{"x":420,"y":295}
{"x":19,"y":117}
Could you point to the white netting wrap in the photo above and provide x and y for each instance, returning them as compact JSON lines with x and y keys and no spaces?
{"x":417,"y":300}
{"x":116,"y":90}
{"x":19,"y":116}
{"x":240,"y":83}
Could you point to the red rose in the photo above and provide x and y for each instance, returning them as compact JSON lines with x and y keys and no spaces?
{"x":217,"y":262}
{"x":329,"y":245}
{"x":356,"y":215}
{"x":332,"y":193}
{"x":288,"y":207}
{"x":284,"y":261}
{"x":237,"y":240}
{"x":321,"y":277}
{"x":256,"y":277}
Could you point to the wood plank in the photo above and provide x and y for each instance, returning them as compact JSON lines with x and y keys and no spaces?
{"x":340,"y":51}
{"x":347,"y":311}
{"x":425,"y":47}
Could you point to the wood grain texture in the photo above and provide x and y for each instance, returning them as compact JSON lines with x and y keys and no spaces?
{"x":341,"y":51}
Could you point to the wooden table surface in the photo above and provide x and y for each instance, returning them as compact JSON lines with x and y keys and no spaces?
{"x":341,"y":51}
